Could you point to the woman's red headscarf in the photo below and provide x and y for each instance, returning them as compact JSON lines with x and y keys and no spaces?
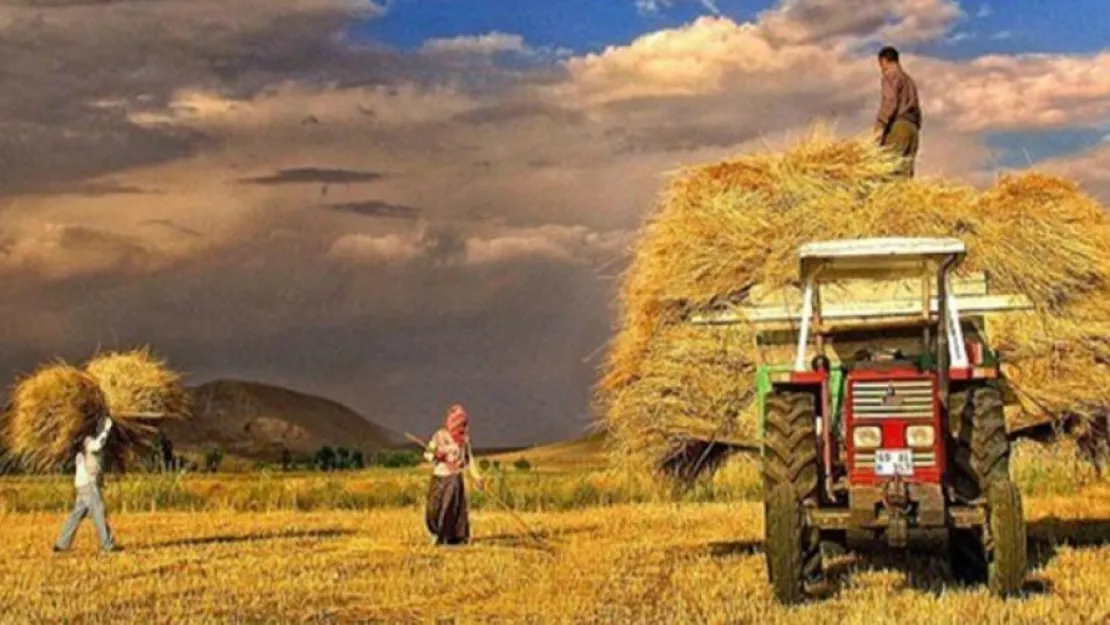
{"x":457,"y":423}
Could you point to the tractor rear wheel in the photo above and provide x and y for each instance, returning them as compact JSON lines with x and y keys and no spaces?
{"x":785,"y":544}
{"x":1008,"y":557}
{"x":790,"y":443}
{"x":790,"y":463}
{"x":981,"y":449}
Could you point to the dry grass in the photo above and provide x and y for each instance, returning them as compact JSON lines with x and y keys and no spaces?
{"x":50,"y":411}
{"x":141,"y":392}
{"x":645,"y":564}
{"x":721,"y":230}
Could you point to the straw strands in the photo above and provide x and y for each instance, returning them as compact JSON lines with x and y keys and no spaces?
{"x":141,"y":391}
{"x":52,"y":411}
{"x":720,"y":230}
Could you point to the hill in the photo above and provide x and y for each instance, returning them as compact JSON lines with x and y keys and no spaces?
{"x":584,"y":452}
{"x":256,"y":421}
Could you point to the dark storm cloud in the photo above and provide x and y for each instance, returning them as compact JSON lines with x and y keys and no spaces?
{"x":315,"y":174}
{"x":375,"y":208}
{"x":499,"y":113}
{"x":169,"y":225}
{"x":508,"y":341}
{"x":74,"y":72}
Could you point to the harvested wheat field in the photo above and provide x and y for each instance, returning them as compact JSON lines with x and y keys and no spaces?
{"x":727,"y":234}
{"x":646,"y":564}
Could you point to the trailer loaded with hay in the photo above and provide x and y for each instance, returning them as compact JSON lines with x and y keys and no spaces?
{"x":1031,"y":300}
{"x":51,"y":411}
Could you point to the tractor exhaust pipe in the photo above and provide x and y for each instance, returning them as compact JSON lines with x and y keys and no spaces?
{"x":943,"y":361}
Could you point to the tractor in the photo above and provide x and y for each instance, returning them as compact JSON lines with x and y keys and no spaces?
{"x":890,"y":417}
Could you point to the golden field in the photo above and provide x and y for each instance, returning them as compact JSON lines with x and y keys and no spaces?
{"x":652,"y":562}
{"x":648,"y":564}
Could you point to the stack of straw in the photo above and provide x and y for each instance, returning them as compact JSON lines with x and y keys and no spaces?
{"x":141,"y":392}
{"x":52,"y":411}
{"x":721,"y":229}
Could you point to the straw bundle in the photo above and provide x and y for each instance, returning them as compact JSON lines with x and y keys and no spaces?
{"x":141,"y":391}
{"x":720,"y":230}
{"x":49,"y":412}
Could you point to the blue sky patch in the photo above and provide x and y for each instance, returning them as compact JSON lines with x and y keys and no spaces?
{"x":1018,"y":149}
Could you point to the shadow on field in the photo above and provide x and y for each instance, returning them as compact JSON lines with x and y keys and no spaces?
{"x":220,"y":539}
{"x":541,"y":539}
{"x":925,"y":563}
{"x":1046,"y":534}
{"x":733,"y":548}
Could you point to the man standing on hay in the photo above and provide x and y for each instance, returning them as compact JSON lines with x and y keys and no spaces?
{"x":89,"y":481}
{"x":447,"y":513}
{"x":898,"y":123}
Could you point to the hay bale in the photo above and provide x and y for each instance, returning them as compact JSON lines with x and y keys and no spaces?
{"x":49,"y":413}
{"x":720,"y":230}
{"x":141,"y":392}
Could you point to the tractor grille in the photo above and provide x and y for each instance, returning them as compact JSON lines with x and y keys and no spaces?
{"x":892,"y":399}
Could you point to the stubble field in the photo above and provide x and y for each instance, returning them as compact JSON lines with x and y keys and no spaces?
{"x":625,"y":563}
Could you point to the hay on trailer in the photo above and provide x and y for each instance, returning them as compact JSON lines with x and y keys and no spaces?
{"x":141,"y":391}
{"x":49,"y":413}
{"x":723,"y":230}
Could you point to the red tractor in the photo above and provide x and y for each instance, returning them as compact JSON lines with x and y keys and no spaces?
{"x":895,"y":423}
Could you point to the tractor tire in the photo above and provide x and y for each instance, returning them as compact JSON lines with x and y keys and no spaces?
{"x":1008,"y":556}
{"x":784,"y":544}
{"x":981,"y":449}
{"x":790,"y":444}
{"x":790,"y":464}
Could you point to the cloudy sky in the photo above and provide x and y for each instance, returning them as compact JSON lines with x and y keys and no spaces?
{"x":406,"y":204}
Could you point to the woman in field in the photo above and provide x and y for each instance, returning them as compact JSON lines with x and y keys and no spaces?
{"x":447,"y":515}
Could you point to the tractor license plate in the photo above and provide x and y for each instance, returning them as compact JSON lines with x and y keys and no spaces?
{"x":894,"y":462}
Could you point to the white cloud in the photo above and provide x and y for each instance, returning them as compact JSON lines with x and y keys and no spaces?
{"x":984,"y":11}
{"x":858,"y":21}
{"x":654,"y":7}
{"x":487,"y":44}
{"x":570,"y":245}
{"x":1003,"y":35}
{"x":373,"y":249}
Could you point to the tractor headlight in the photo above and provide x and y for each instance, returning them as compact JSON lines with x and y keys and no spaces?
{"x":920,"y":436}
{"x":867,"y":437}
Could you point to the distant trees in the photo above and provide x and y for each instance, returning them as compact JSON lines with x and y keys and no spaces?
{"x":398,"y":458}
{"x":338,"y":459}
{"x":324,"y":459}
{"x":212,"y":458}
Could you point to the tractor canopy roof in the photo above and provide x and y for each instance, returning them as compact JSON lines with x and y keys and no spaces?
{"x":877,"y":257}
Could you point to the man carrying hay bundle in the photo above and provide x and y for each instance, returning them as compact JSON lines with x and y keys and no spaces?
{"x":898,"y":122}
{"x":89,"y":480}
{"x":447,"y":514}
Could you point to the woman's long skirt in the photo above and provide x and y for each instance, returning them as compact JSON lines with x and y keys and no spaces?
{"x":446,"y":514}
